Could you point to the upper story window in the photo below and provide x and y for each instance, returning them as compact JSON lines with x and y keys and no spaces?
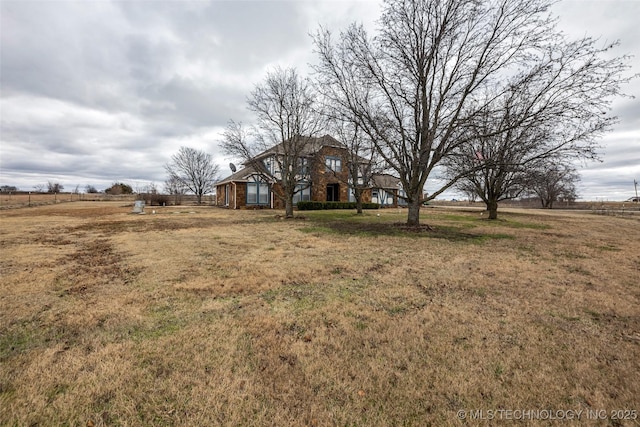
{"x":303,"y":166}
{"x":333,"y":164}
{"x":269,"y":165}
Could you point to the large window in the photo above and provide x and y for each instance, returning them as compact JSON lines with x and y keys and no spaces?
{"x":257,"y":193}
{"x":334,"y":164}
{"x":303,"y":193}
{"x":402,"y":197}
{"x":352,"y":194}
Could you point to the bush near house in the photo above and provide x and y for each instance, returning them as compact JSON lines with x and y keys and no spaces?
{"x":155,"y":199}
{"x":316,"y":206}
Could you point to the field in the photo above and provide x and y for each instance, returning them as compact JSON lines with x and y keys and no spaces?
{"x":204,"y":316}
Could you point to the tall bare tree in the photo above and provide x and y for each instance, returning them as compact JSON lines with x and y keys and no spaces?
{"x":275,"y":147}
{"x":431,"y":69}
{"x":194,"y":170}
{"x":548,"y":113}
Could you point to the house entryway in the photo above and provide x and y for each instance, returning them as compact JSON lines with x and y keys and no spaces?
{"x":333,"y":192}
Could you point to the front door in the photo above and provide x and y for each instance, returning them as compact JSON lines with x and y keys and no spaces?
{"x":333,"y":193}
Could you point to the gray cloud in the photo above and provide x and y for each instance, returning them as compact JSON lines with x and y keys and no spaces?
{"x":94,"y":92}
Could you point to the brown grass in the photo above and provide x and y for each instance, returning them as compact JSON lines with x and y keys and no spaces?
{"x":203,"y":316}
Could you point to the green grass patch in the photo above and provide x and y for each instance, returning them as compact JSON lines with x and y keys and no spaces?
{"x":16,"y":341}
{"x":477,"y":218}
{"x":161,"y":321}
{"x":516,"y":224}
{"x":389,"y":224}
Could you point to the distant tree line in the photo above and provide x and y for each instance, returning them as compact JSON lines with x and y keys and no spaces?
{"x":8,"y":189}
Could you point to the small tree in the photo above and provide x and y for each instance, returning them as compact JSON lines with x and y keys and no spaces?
{"x":54,"y":187}
{"x":284,"y":105}
{"x":194,"y":169}
{"x":90,"y":189}
{"x":553,"y":182}
{"x":175,"y":188}
{"x":495,"y":162}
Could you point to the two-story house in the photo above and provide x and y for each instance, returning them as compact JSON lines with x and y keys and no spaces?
{"x":323,"y":176}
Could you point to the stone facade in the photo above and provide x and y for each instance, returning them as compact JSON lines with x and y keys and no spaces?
{"x":328,"y":184}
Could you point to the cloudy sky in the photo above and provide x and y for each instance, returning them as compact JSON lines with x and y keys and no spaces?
{"x":94,"y":92}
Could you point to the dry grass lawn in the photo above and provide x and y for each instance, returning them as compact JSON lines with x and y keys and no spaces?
{"x":203,"y":316}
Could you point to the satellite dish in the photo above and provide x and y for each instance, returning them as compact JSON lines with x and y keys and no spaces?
{"x":232,"y":167}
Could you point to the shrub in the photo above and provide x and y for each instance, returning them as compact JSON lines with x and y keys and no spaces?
{"x":119,"y":188}
{"x":316,"y":206}
{"x":158,"y":199}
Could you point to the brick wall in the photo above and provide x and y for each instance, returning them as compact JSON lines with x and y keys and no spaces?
{"x":321,"y":177}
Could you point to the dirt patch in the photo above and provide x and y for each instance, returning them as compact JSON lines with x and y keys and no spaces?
{"x":94,"y":264}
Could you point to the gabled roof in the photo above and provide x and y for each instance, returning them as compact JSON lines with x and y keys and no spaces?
{"x":241,"y":176}
{"x":311,"y":146}
{"x":384,"y":180}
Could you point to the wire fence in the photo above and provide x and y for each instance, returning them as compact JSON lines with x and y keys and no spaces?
{"x":26,"y":199}
{"x":31,"y":199}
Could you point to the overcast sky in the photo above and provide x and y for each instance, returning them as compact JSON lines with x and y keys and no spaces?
{"x":100,"y":91}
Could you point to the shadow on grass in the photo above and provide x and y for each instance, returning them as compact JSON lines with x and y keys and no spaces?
{"x":374,"y":229}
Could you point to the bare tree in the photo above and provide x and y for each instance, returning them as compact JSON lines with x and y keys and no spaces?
{"x":361,"y":157}
{"x":430,"y":70}
{"x":175,"y":188}
{"x":275,"y":147}
{"x":54,"y":187}
{"x":194,"y":169}
{"x":90,"y":189}
{"x":8,"y":189}
{"x":552,"y":111}
{"x":552,"y":182}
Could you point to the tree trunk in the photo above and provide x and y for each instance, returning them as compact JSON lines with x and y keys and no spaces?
{"x":199,"y":198}
{"x":413,"y":218}
{"x":288,"y":207}
{"x":492,"y":207}
{"x":359,"y":203}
